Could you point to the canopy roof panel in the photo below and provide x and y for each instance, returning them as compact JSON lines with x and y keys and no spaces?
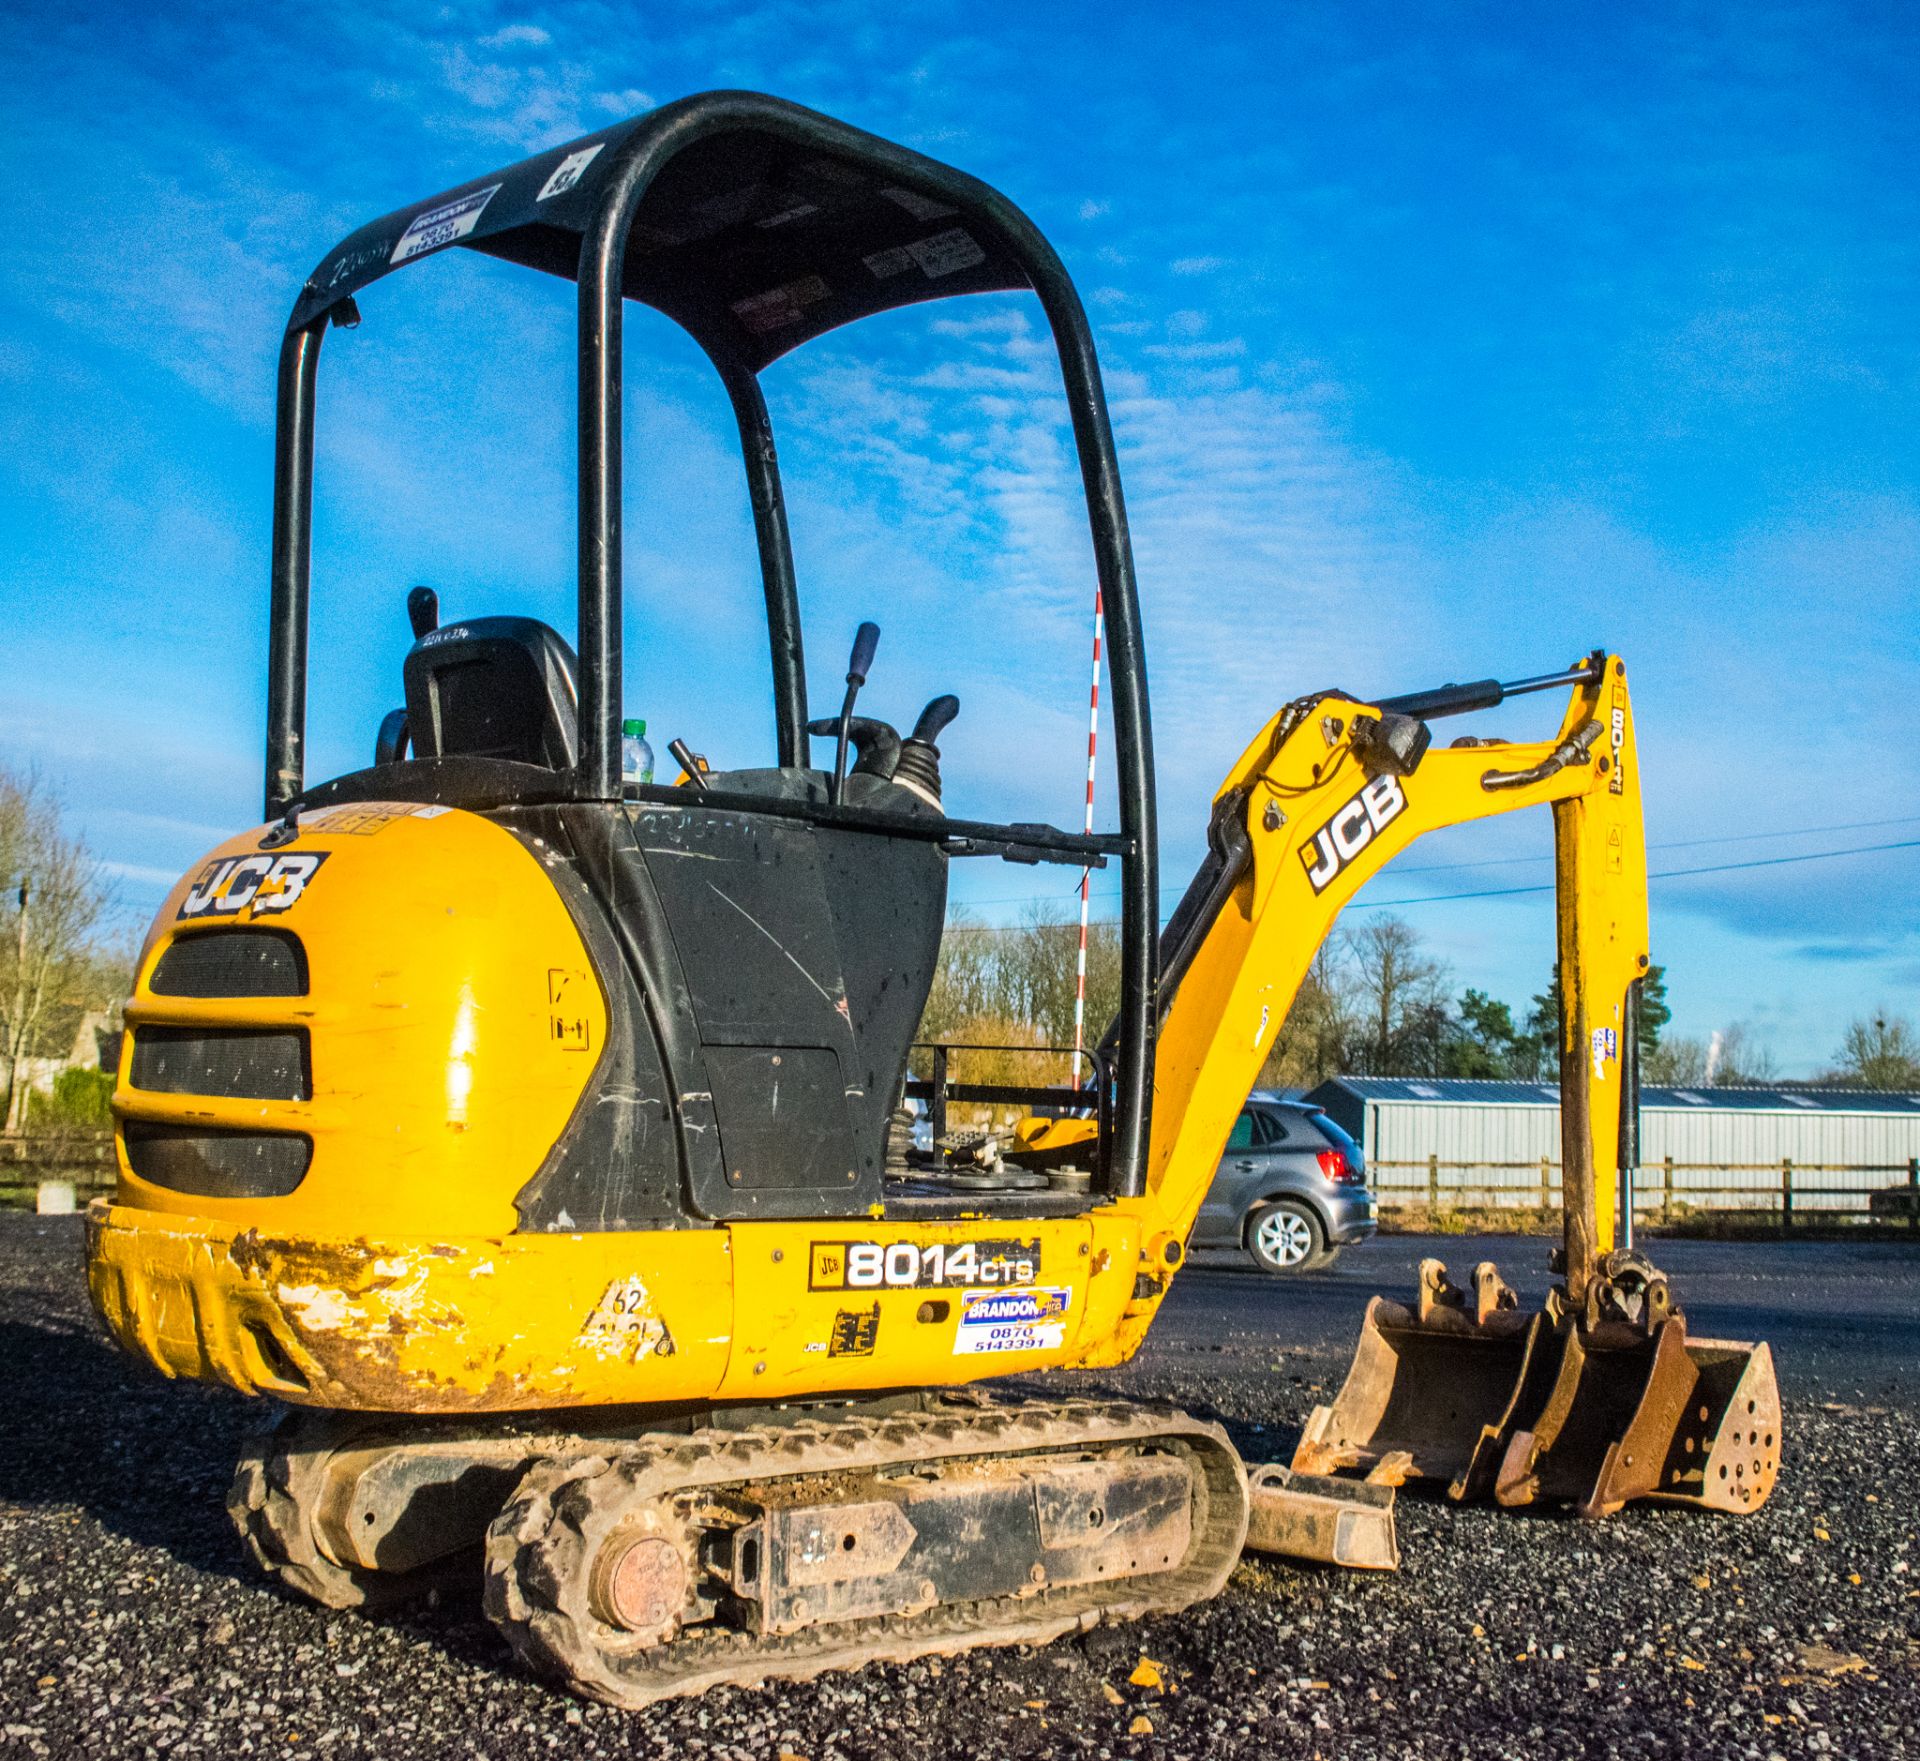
{"x":764,"y":225}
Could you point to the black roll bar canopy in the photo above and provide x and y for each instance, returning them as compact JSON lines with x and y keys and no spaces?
{"x":757,"y":225}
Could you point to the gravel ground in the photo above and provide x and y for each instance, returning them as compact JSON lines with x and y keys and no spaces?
{"x":129,"y":1625}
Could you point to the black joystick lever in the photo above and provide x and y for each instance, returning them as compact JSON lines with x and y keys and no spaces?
{"x":865,"y":640}
{"x":423,"y":610}
{"x":919,"y":765}
{"x":683,"y":755}
{"x":876,"y":746}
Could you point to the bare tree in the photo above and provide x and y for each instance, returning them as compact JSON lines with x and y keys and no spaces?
{"x":1675,"y":1062}
{"x":1734,"y":1058}
{"x":1401,"y":998}
{"x":1883,"y":1052}
{"x":58,"y":896}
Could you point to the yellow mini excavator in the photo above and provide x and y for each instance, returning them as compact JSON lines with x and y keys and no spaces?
{"x":526,"y":1131}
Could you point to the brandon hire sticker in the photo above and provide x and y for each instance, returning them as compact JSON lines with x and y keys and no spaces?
{"x":1033,"y":1319}
{"x":442,"y":225}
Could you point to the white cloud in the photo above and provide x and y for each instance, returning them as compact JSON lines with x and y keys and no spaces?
{"x":1256,"y":531}
{"x":1197,"y":265}
{"x":518,"y":36}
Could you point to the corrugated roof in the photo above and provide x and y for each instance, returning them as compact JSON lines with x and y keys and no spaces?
{"x":1459,"y":1091}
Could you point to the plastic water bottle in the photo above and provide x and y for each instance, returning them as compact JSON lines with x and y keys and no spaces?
{"x":636,"y":756}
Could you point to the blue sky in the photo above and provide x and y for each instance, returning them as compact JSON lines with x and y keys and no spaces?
{"x":1441,"y":342}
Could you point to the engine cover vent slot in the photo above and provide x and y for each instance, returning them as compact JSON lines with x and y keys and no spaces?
{"x":241,"y":1063}
{"x":217,"y":1164}
{"x":232,"y":963}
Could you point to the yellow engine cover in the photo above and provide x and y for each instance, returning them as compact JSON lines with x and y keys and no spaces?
{"x":453,"y":1021}
{"x":452,"y":1017}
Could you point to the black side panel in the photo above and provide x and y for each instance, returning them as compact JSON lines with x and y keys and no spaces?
{"x":746,"y":900}
{"x":765,"y":978}
{"x":783,"y":1124}
{"x":620,"y":1162}
{"x":888,"y":899}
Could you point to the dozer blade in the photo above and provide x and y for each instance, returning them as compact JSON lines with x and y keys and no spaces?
{"x":1325,"y":1520}
{"x":1439,"y":1383}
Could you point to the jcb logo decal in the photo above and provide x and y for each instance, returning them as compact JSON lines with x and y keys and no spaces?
{"x":1617,"y":739}
{"x":1352,"y":829}
{"x":267,"y":883}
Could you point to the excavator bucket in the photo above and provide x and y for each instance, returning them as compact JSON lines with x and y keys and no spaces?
{"x":1649,"y":1415}
{"x":1436,"y":1382}
{"x":1593,"y":1411}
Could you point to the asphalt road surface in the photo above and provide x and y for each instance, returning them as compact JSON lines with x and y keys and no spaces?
{"x":130,"y":1626}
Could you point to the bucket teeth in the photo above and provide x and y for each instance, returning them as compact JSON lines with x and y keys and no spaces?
{"x":1547,"y":1407}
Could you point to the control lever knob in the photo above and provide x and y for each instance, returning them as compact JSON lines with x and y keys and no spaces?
{"x":865,"y":640}
{"x":934,"y":719}
{"x":423,"y":610}
{"x":919,"y":767}
{"x":876,"y":746}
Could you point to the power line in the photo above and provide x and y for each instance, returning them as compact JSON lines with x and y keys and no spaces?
{"x":1805,"y":831}
{"x":1511,"y":892}
{"x":1664,"y":874}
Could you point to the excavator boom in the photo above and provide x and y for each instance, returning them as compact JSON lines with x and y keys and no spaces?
{"x":1329,"y":793}
{"x":1601,"y":1398}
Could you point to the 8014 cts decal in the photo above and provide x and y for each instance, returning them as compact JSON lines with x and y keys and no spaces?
{"x":913,"y":1265}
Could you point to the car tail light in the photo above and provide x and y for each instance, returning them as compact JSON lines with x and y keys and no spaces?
{"x":1336,"y":1167}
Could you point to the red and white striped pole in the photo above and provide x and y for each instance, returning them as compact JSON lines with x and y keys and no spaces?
{"x":1086,"y":874}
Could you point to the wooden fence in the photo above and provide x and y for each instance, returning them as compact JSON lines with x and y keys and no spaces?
{"x":1668,"y":1191}
{"x":84,"y":1158}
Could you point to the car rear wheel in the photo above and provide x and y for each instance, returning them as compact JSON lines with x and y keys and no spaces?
{"x":1287,"y":1237}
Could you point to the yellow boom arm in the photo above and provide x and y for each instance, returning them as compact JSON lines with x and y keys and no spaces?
{"x":1324,"y":805}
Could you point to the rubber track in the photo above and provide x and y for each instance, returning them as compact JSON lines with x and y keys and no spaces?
{"x":275,"y":1498}
{"x":542,"y":1546}
{"x":275,"y":1485}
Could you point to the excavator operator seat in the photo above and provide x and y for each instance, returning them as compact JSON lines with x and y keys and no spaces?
{"x":494,"y":688}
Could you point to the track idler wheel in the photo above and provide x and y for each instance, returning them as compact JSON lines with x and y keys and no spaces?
{"x":278,"y":1486}
{"x":366,"y":1510}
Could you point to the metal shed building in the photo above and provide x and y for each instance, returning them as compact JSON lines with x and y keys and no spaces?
{"x":1494,"y":1143}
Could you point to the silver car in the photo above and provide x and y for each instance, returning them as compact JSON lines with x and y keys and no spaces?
{"x":1291,"y":1188}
